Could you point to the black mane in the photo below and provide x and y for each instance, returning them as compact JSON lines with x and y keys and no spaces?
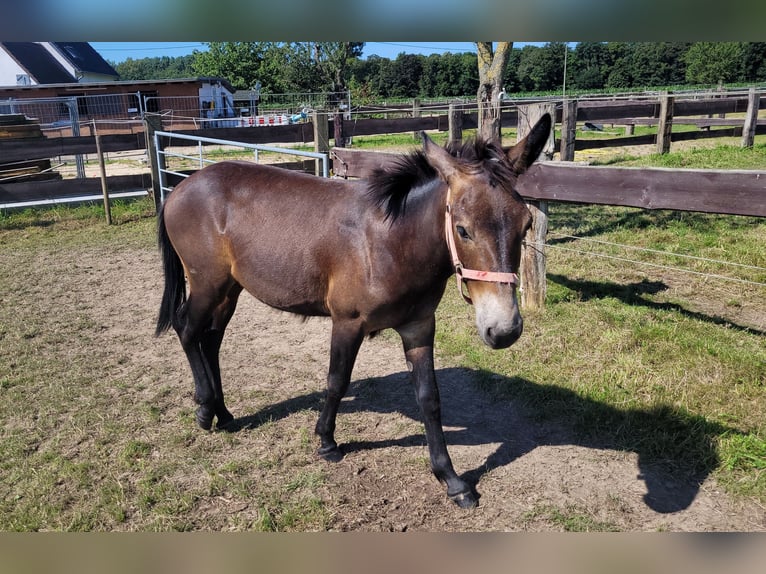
{"x":389,"y":186}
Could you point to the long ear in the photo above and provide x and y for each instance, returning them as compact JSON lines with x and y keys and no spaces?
{"x":524,"y":153}
{"x":439,"y":158}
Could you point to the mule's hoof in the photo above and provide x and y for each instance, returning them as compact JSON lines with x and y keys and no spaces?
{"x":465,"y":500}
{"x":204,"y":418}
{"x":226,"y":425}
{"x":224,"y":421}
{"x":330,"y":453}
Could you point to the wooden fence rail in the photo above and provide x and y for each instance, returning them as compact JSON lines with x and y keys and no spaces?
{"x":731,"y":192}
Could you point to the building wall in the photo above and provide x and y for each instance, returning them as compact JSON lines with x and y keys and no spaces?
{"x":9,"y":69}
{"x":162,"y":89}
{"x":104,"y":101}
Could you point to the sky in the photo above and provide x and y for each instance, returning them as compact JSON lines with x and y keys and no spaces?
{"x":120,"y":51}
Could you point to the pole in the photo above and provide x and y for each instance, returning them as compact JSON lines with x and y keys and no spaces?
{"x":532,"y":271}
{"x":102,"y":168}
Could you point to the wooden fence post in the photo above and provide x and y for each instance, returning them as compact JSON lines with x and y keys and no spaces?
{"x":532,"y":271}
{"x":751,"y":118}
{"x":339,"y":134}
{"x":321,"y":137}
{"x":568,"y":130}
{"x":665,"y":126}
{"x":153,"y":123}
{"x":455,"y":123}
{"x":102,"y":168}
{"x":416,"y":113}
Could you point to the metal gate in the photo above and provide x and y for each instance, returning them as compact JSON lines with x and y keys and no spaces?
{"x":163,"y":153}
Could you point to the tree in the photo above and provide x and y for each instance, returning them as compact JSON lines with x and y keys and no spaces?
{"x":332,"y":60}
{"x":159,"y":68}
{"x":280,"y":66}
{"x":587,"y":67}
{"x":754,"y":62}
{"x":448,"y":75}
{"x":618,"y":69}
{"x":404,"y":76}
{"x":238,"y":62}
{"x":511,"y":81}
{"x":713,"y":62}
{"x":491,"y":63}
{"x":542,"y":69}
{"x":658,"y":63}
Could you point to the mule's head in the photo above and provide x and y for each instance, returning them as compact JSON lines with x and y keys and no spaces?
{"x":488,"y":220}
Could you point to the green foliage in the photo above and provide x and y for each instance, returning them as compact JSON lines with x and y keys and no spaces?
{"x":283,"y":67}
{"x":238,"y":62}
{"x":162,"y":68}
{"x":712,"y":62}
{"x":541,"y":68}
{"x":280,"y":67}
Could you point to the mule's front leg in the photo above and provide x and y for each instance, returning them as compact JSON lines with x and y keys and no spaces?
{"x":418,"y":349}
{"x":346,"y":339}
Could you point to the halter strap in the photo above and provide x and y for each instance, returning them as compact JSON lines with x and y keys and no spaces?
{"x":461,"y":273}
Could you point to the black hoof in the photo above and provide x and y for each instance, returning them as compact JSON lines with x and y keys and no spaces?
{"x":330,"y":453}
{"x":465,"y":500}
{"x":204,"y":418}
{"x":224,"y":421}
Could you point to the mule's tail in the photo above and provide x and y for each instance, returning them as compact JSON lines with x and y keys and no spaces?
{"x":174,"y":294}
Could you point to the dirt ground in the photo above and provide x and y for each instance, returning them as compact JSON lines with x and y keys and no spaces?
{"x":529,"y":476}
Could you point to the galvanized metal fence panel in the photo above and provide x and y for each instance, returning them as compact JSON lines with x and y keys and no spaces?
{"x":163,"y":153}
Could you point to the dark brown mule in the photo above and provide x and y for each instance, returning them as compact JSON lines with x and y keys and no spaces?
{"x":371,"y":255}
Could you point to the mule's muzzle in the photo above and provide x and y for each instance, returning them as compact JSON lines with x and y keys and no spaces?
{"x":501,"y":337}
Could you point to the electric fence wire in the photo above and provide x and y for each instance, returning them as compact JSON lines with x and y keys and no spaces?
{"x":655,"y":265}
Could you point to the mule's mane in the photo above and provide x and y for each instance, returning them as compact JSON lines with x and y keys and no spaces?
{"x":389,"y":186}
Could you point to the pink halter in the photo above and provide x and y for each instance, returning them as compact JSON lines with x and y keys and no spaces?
{"x":462,"y":274}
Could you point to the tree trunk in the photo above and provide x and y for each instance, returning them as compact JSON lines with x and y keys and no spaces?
{"x":492,"y":64}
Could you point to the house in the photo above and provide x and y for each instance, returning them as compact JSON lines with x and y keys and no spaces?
{"x":41,"y":63}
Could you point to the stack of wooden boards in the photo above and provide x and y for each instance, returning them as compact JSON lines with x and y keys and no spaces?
{"x":18,"y":126}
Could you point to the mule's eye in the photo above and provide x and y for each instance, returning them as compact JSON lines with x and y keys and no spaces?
{"x":462,"y":232}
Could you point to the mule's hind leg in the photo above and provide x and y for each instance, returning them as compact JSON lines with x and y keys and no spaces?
{"x":347,"y":337}
{"x":211,"y":346}
{"x":193,"y":323}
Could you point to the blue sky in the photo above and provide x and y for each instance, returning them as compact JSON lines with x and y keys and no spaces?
{"x":119,"y":51}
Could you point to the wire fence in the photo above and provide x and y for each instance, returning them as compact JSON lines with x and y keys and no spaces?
{"x":757,"y":270}
{"x":72,"y":115}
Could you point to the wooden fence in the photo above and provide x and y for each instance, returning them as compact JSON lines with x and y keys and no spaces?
{"x":698,"y":110}
{"x":729,"y":192}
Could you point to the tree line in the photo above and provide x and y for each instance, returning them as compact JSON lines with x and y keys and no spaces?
{"x":337,"y":66}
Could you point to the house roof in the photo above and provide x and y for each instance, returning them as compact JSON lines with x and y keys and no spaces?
{"x":85,"y":58}
{"x":40,"y":64}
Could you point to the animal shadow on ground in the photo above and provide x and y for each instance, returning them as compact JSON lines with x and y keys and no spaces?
{"x":632,"y":294}
{"x":672,"y":481}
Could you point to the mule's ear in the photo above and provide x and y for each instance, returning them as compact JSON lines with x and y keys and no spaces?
{"x":524,"y":153}
{"x":439,"y":158}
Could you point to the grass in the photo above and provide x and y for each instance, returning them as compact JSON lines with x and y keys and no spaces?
{"x":718,"y":157}
{"x":568,"y":519}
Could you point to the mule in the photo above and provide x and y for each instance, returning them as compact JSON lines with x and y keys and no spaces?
{"x":370,"y":254}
